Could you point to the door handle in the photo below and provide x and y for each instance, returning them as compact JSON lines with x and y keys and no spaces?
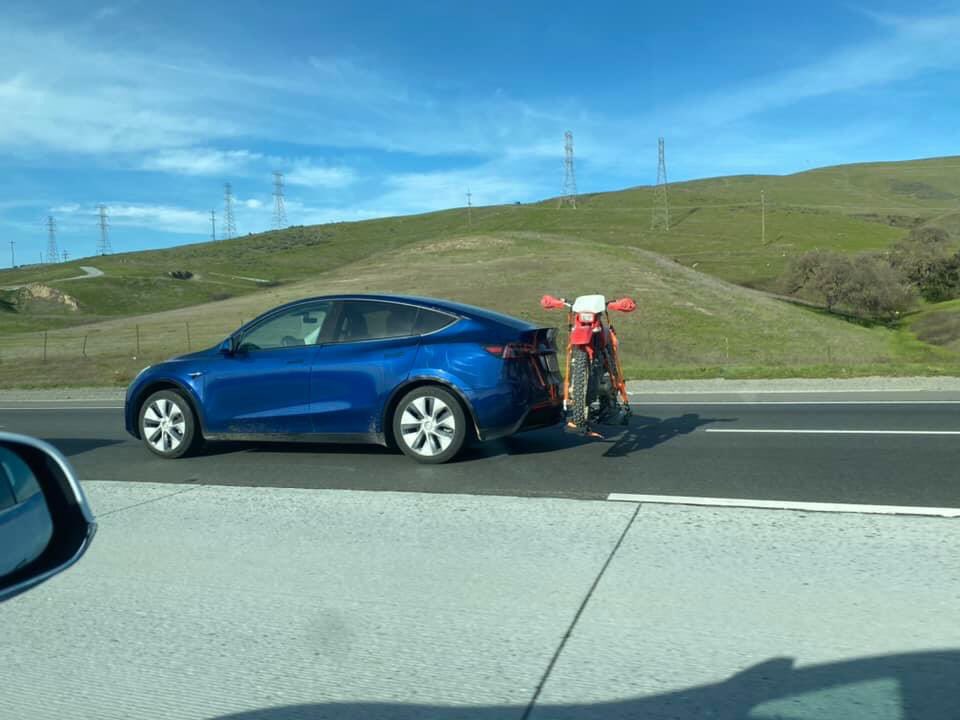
{"x":295,"y":362}
{"x":395,"y":353}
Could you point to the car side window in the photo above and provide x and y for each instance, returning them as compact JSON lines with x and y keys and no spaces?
{"x":20,"y":477}
{"x":429,"y":321}
{"x":374,"y":320}
{"x":296,"y":327}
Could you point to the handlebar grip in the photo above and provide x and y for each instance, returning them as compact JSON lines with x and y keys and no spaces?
{"x":549,"y":302}
{"x":624,"y":305}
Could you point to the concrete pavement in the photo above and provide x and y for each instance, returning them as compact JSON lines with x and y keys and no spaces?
{"x":275,"y":603}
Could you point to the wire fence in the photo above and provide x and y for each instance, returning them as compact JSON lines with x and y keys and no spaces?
{"x":133,"y":340}
{"x":155,"y":340}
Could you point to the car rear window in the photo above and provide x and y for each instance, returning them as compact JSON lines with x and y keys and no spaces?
{"x":429,"y":321}
{"x":374,"y":320}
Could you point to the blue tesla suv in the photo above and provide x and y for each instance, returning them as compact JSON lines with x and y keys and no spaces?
{"x":418,"y":373}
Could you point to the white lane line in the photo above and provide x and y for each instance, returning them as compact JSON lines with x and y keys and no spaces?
{"x":772,"y":431}
{"x":802,"y":402}
{"x":786,"y":505}
{"x":721,"y":391}
{"x":65,"y":400}
{"x":65,"y":407}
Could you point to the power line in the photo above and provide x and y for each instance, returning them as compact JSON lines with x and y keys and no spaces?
{"x":229,"y":225}
{"x":103,"y":247}
{"x":279,"y":209}
{"x":661,"y":207}
{"x":213,"y":225}
{"x":53,"y":255}
{"x":569,"y":196}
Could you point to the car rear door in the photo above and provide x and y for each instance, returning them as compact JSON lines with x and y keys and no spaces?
{"x":263,"y":389}
{"x":369,"y":350}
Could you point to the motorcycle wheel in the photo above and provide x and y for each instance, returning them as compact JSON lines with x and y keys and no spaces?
{"x":578,"y":387}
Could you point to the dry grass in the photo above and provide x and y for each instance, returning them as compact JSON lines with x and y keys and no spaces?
{"x":686,"y":320}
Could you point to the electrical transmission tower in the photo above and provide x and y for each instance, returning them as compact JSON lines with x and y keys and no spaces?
{"x":279,"y":210}
{"x":13,"y":257}
{"x":213,"y":225}
{"x":469,"y":208}
{"x":569,"y":196}
{"x":103,"y":247}
{"x":53,"y":255}
{"x":66,"y":255}
{"x":661,"y":208}
{"x":229,"y":225}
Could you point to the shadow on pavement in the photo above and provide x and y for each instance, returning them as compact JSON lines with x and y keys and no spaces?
{"x":226,"y":447}
{"x":644,"y":433}
{"x":910,"y":686}
{"x":76,"y":446}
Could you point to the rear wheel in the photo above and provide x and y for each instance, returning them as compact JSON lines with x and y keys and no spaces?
{"x":167,"y":425}
{"x":578,"y":389}
{"x":429,"y":425}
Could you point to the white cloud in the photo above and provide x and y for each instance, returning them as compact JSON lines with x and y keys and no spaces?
{"x":307,"y":174}
{"x":200,"y":161}
{"x":165,"y":218}
{"x":488,"y":185}
{"x":253,"y":204}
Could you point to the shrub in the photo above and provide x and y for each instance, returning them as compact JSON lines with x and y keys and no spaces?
{"x":874,"y":289}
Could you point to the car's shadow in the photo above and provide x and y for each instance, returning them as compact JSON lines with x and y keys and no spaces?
{"x":228,"y":447}
{"x":76,"y":446}
{"x":642,"y":433}
{"x":909,"y":686}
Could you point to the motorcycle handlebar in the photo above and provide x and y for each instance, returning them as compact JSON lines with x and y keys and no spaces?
{"x":549,"y":302}
{"x":624,"y":305}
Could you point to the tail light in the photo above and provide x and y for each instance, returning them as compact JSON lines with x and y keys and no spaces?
{"x":511,"y":350}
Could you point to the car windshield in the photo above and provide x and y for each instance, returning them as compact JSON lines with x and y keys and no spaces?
{"x":511,"y":359}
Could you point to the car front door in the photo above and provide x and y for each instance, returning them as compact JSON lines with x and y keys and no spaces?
{"x":369,"y":349}
{"x":263,"y":388}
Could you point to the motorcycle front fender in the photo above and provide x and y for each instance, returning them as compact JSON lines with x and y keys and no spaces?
{"x":581,"y":335}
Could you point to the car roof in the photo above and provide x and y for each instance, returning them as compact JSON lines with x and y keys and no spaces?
{"x":462,"y":309}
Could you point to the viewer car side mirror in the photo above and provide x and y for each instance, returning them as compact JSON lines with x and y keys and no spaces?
{"x":46,"y":524}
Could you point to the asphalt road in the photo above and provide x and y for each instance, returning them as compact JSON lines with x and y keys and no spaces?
{"x":872,"y":448}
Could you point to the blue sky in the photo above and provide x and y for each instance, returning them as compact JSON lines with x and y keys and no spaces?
{"x":382,"y":108}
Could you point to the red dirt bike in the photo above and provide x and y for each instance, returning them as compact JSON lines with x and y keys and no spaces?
{"x":594,"y":390}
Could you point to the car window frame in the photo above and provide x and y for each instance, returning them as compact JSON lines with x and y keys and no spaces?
{"x":6,"y":490}
{"x":288,"y":309}
{"x":419,"y":308}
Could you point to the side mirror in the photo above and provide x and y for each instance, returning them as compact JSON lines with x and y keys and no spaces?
{"x":46,"y":524}
{"x":228,"y":346}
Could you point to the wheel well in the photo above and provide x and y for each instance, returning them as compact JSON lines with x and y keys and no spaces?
{"x":413,"y":385}
{"x":165,"y":385}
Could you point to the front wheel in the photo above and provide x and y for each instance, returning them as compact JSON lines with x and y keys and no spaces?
{"x":429,"y":425}
{"x":578,"y":405}
{"x":167,"y":425}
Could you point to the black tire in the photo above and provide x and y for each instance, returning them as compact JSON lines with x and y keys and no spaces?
{"x":179,"y":435}
{"x":438,"y":434}
{"x":578,"y":388}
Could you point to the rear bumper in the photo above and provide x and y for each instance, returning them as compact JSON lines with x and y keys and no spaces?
{"x":542,"y":415}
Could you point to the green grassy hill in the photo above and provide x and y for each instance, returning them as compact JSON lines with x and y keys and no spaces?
{"x":694,"y":319}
